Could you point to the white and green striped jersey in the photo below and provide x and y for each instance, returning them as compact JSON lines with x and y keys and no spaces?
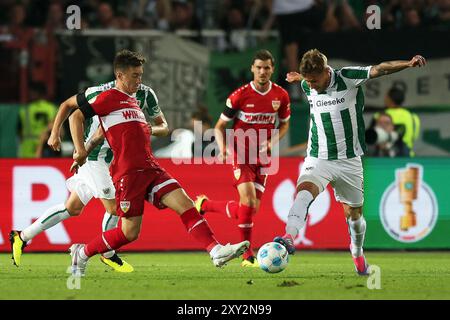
{"x":147,"y":101}
{"x":337,"y":128}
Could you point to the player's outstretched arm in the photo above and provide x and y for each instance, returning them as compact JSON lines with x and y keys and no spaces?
{"x":65,"y":108}
{"x":220,"y":136}
{"x":97,"y":138}
{"x":159,"y":126}
{"x":389,"y":67}
{"x":76,"y":122}
{"x":293,"y":77}
{"x":275,"y":139}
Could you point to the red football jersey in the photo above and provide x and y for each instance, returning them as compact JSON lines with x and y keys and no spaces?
{"x":126,"y":130}
{"x":257,"y":111}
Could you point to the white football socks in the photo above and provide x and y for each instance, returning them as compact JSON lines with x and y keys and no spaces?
{"x":109,"y":222}
{"x":82,"y":253}
{"x":357,"y":230}
{"x":51,"y":217}
{"x":297,"y":214}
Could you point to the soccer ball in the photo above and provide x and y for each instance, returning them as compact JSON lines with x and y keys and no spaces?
{"x":273,"y":257}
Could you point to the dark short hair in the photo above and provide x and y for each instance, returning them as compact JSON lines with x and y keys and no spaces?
{"x":126,"y":58}
{"x":202,"y":115}
{"x":313,"y":61}
{"x":263,"y":55}
{"x":397,"y":95}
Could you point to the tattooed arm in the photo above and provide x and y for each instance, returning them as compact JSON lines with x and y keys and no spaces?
{"x":95,"y":140}
{"x":389,"y":67}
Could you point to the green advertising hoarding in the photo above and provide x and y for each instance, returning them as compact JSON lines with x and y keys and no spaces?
{"x":407,"y":203}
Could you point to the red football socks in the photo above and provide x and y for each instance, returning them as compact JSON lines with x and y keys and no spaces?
{"x":109,"y":240}
{"x":230,"y":208}
{"x":197,"y":226}
{"x":245,"y":224}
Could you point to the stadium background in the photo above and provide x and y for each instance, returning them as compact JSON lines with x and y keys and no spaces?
{"x":201,"y":65}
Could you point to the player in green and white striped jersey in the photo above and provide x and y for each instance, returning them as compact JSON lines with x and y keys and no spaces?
{"x":92,"y":179}
{"x":336,"y":143}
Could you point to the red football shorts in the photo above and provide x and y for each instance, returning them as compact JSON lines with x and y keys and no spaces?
{"x":134,"y":188}
{"x":250,"y":173}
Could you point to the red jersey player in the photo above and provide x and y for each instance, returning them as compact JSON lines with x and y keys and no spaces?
{"x":136,"y":174}
{"x":254,"y":108}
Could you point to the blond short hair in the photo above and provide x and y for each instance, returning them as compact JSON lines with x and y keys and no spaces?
{"x":313,"y":61}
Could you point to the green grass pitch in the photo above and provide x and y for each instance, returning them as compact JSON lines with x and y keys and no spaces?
{"x":186,"y":276}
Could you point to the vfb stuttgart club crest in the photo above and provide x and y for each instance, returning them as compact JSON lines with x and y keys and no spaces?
{"x":276,"y":104}
{"x":408,"y":208}
{"x":237,"y":173}
{"x":125,"y":206}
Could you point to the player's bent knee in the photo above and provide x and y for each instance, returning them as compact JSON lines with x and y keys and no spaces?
{"x":309,"y":186}
{"x":178,"y":201}
{"x":184,"y":204}
{"x":110,"y":206}
{"x":353,"y":213}
{"x":131,"y":235}
{"x":249,"y":201}
{"x":74,"y":205}
{"x":74,"y":212}
{"x":74,"y":209}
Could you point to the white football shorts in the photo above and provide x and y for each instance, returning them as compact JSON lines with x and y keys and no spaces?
{"x":92,"y":180}
{"x":345,"y":176}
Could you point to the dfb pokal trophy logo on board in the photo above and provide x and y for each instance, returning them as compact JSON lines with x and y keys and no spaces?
{"x":408,"y":208}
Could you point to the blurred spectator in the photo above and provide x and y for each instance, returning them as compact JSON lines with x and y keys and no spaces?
{"x":123,"y":23}
{"x":444,"y":9}
{"x":229,"y":15}
{"x":106,"y":17}
{"x":394,"y":131}
{"x":246,"y":14}
{"x":152,"y":14}
{"x":404,"y":13}
{"x":383,"y":140}
{"x":406,"y":123}
{"x":183,"y":16}
{"x":202,"y":118}
{"x":34,"y":119}
{"x":16,"y":25}
{"x":89,"y":10}
{"x":138,"y":24}
{"x":400,"y":14}
{"x":295,"y":19}
{"x":15,"y":35}
{"x":339,"y":17}
{"x":55,"y":17}
{"x":4,"y":8}
{"x":444,"y":12}
{"x":241,"y":16}
{"x":44,"y":150}
{"x":234,"y":20}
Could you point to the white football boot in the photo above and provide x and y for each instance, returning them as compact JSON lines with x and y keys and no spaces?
{"x":78,"y":264}
{"x":229,"y":252}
